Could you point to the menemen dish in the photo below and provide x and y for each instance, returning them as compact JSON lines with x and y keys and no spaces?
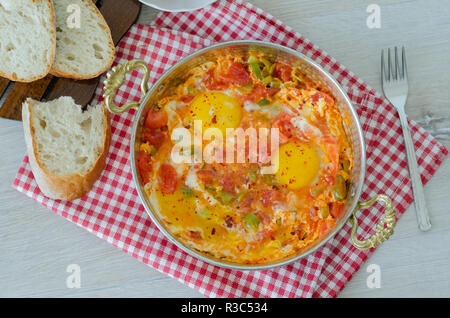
{"x":232,"y":210}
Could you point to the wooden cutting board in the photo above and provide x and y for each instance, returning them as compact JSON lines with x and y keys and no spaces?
{"x":120,"y":16}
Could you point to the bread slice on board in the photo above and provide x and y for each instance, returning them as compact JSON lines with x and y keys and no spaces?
{"x":84,"y":46}
{"x":27,"y":39}
{"x":67,"y":148}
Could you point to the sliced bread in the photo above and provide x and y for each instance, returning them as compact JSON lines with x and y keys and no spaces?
{"x":27,"y":39}
{"x":84,"y":47}
{"x":67,"y":147}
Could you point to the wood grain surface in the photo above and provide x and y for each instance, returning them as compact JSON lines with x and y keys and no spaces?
{"x":12,"y":106}
{"x":36,"y":246}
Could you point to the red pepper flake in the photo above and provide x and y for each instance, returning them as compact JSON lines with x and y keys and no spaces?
{"x":195,"y":235}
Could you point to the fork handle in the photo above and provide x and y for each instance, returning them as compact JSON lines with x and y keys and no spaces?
{"x":423,"y":217}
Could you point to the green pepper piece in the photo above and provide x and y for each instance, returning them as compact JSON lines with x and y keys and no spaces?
{"x":263,"y":102}
{"x":256,"y":70}
{"x":295,"y":76}
{"x":269,"y":178}
{"x":252,"y":59}
{"x":266,"y":63}
{"x":205,"y":213}
{"x":324,"y":212}
{"x":271,"y":69}
{"x":275,"y":82}
{"x":225,"y":197}
{"x":187,"y":192}
{"x":346,"y":165}
{"x":252,"y":176}
{"x":152,"y":150}
{"x":247,"y":89}
{"x":267,"y":80}
{"x":252,"y":220}
{"x":340,"y":188}
{"x":210,"y":188}
{"x":289,"y":84}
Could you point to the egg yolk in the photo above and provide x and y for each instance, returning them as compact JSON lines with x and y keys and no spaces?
{"x":216,"y":110}
{"x":298,"y":165}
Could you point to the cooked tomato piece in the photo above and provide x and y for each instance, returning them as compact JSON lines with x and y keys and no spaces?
{"x":328,"y":179}
{"x":228,"y":184}
{"x":144,"y":165}
{"x":328,"y":99}
{"x":269,"y":196}
{"x":258,"y":92}
{"x":168,"y":179}
{"x":236,"y":74}
{"x":283,"y":72}
{"x":207,"y":175}
{"x":272,"y":91}
{"x":332,"y":147}
{"x":155,"y":119}
{"x":154,"y":137}
{"x":284,"y":125}
{"x":187,"y":98}
{"x":212,"y":83}
{"x":336,"y":209}
{"x":326,"y":226}
{"x":247,"y":201}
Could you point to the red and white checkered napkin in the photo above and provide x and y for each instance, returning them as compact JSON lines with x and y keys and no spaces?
{"x":113,"y":211}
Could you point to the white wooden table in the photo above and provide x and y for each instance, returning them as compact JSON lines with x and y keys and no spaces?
{"x":36,"y":246}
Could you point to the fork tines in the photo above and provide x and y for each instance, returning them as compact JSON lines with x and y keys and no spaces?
{"x":394,"y":71}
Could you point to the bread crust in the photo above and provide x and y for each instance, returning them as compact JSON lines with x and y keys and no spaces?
{"x":60,"y":73}
{"x":52,"y":23}
{"x":65,"y":187}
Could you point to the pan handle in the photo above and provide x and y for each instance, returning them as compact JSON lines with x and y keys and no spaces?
{"x":115,"y":79}
{"x":384,"y":228}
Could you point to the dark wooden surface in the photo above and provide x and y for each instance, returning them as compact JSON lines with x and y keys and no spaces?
{"x":3,"y":85}
{"x":120,"y":16}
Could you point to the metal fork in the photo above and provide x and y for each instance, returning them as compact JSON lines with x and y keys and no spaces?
{"x":394,"y":78}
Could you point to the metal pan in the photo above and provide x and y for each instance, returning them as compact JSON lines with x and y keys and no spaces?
{"x":116,"y":78}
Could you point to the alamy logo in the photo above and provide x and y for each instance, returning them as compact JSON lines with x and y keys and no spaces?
{"x":74,"y":279}
{"x":374,"y":19}
{"x":74,"y":19}
{"x":374,"y":279}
